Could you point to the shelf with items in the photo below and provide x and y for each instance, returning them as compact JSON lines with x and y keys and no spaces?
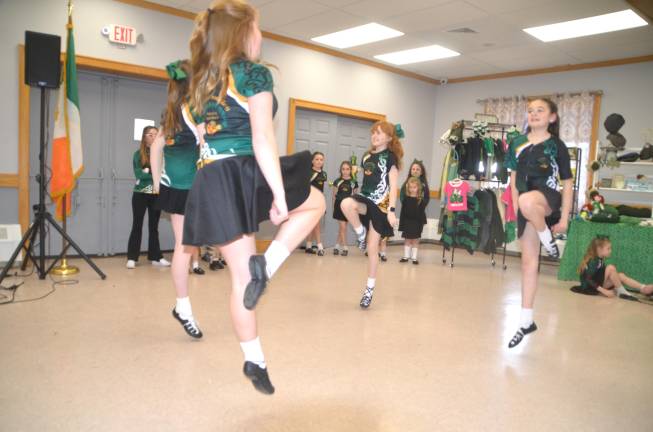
{"x":629,"y":182}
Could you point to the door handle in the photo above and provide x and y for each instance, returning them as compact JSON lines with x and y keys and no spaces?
{"x":114,"y":174}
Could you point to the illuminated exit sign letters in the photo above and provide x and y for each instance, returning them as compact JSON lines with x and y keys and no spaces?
{"x":120,"y":34}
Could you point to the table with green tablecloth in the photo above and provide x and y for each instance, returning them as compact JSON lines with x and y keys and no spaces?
{"x":632,"y":248}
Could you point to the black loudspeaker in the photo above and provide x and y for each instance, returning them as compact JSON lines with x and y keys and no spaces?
{"x":42,"y":60}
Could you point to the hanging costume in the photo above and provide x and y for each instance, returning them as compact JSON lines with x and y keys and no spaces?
{"x":344,"y":189}
{"x":180,"y":165}
{"x":538,"y":167}
{"x":375,"y":193}
{"x":230,"y":196}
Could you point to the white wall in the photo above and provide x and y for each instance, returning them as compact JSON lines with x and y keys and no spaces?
{"x":303,"y":74}
{"x":628,"y":90}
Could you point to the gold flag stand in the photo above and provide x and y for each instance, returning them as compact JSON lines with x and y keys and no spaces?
{"x":65,"y":269}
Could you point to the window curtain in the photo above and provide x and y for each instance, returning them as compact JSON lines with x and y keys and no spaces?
{"x":575,"y":111}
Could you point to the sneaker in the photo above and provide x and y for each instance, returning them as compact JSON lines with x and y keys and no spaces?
{"x":320,"y":252}
{"x":161,"y":263}
{"x":367,"y":298}
{"x":517,"y":338}
{"x":216,"y":265}
{"x":336,"y":251}
{"x":198,"y":270}
{"x":344,"y":252}
{"x":131,"y":264}
{"x":206,"y":257}
{"x":258,"y":282}
{"x":553,"y":250}
{"x":403,"y":260}
{"x":415,"y":262}
{"x":223,"y":262}
{"x":190,"y":325}
{"x":259,"y":377}
{"x":362,"y":240}
{"x":383,"y":257}
{"x":310,"y":251}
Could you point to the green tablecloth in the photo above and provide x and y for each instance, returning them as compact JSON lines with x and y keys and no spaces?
{"x":632,"y":248}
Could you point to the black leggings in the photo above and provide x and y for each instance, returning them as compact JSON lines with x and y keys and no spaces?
{"x":140,"y":203}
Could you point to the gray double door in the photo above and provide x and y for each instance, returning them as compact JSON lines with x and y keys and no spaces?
{"x":338,"y":137}
{"x":101,"y":216}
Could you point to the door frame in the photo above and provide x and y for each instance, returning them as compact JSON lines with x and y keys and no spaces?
{"x":294,"y":104}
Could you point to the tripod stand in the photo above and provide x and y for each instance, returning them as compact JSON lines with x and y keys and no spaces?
{"x":41,"y":217}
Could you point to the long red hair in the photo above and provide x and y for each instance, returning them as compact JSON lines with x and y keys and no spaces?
{"x":394,"y":145}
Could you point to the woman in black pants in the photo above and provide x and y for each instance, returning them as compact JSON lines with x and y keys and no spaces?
{"x":144,"y":199}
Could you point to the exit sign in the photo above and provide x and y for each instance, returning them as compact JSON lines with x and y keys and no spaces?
{"x":120,"y":34}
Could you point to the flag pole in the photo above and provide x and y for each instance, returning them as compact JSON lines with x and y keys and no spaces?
{"x":65,"y":269}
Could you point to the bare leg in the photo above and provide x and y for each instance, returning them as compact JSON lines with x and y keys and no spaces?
{"x":534,"y":207}
{"x":180,"y":257}
{"x":373,"y":240}
{"x":342,"y":233}
{"x":530,"y":250}
{"x":237,"y":255}
{"x":352,"y":209}
{"x":611,"y":282}
{"x":293,"y":230}
{"x":632,"y":283}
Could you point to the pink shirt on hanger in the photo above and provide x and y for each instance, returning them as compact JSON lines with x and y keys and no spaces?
{"x":456,"y":192}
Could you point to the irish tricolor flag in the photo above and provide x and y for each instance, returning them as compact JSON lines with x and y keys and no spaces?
{"x":67,"y":164}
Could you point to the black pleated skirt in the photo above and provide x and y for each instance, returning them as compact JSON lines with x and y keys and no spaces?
{"x":337,"y":211}
{"x":553,"y":199}
{"x":172,"y":200}
{"x":230,"y":197}
{"x":375,"y":216}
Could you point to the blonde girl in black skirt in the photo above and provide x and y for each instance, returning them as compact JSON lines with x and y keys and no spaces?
{"x":372,"y":210}
{"x":318,"y":179}
{"x":410,"y":219}
{"x":411,"y":245}
{"x":538,"y":162}
{"x":177,"y":143}
{"x":242,"y":181}
{"x":343,"y":187}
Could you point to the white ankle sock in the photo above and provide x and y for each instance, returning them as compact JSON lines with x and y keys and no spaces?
{"x":546,"y":238}
{"x":308,"y":245}
{"x":275,"y":255}
{"x":406,"y":252}
{"x":413,"y":255}
{"x":183,"y":308}
{"x":371,"y":282}
{"x":525,"y":318}
{"x":196,"y":264}
{"x":320,"y":246}
{"x":337,"y":246}
{"x":360,"y":230}
{"x":622,"y":290}
{"x":253,"y":352}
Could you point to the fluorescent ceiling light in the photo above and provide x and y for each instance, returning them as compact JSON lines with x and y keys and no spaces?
{"x":360,"y":35}
{"x":587,"y":26}
{"x":416,"y":55}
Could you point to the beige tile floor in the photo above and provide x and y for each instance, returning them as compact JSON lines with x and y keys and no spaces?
{"x":429,"y":355}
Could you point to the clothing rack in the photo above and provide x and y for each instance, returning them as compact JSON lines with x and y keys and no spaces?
{"x":492,"y":254}
{"x":492,"y":130}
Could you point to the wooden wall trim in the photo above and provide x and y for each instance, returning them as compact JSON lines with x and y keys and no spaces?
{"x":317,"y":106}
{"x":554,"y":69}
{"x":101,"y":65}
{"x":594,"y":136}
{"x":9,"y":181}
{"x":23,"y":143}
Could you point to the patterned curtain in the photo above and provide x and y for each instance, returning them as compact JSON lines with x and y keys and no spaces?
{"x":575,"y":111}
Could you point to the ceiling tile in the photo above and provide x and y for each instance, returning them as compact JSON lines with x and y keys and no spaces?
{"x":554,"y":11}
{"x":606,"y":41}
{"x":503,"y":6}
{"x":337,"y":3}
{"x":598,"y":53}
{"x":320,"y":24}
{"x":377,"y":10}
{"x":387,"y":46}
{"x":281,"y":12}
{"x":438,"y":17}
{"x":454,"y":67}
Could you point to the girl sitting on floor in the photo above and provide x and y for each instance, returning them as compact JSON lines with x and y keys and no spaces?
{"x":597,"y":278}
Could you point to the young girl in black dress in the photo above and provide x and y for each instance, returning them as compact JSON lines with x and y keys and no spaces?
{"x":343,"y":187}
{"x":410,"y":219}
{"x":242,"y":181}
{"x":372,"y":210}
{"x":411,"y":246}
{"x":318,"y":178}
{"x":538,"y":161}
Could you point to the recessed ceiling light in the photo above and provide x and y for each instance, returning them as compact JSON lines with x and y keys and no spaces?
{"x":587,"y":26}
{"x":416,"y":55}
{"x":360,"y":35}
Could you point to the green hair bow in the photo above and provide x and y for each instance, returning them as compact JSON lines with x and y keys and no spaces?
{"x":399,"y":131}
{"x":175,"y":72}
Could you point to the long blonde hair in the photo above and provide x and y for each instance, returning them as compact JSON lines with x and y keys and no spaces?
{"x":394,"y":145}
{"x":592,"y":251}
{"x":417,"y":181}
{"x":221,"y":36}
{"x":144,"y":149}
